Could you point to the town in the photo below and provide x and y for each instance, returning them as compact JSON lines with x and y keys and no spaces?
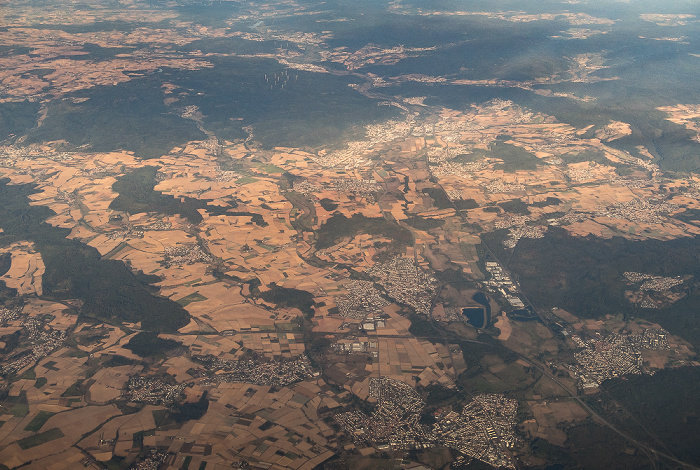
{"x":605,"y":357}
{"x":362,"y":299}
{"x":649,"y":211}
{"x":485,"y":428}
{"x":406,"y":283}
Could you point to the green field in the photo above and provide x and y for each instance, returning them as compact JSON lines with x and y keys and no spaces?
{"x":41,"y":438}
{"x":514,"y":158}
{"x":246,"y":180}
{"x":271,"y":169}
{"x":38,"y":421}
{"x":20,"y":410}
{"x":188,"y":299}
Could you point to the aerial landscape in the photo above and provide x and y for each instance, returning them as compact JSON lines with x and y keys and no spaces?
{"x":334,"y":235}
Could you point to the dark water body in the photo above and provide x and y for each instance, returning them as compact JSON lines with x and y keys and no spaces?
{"x":481,"y":298}
{"x":475,"y":316}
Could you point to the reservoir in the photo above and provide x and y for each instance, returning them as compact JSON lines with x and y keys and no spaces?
{"x":475,"y":315}
{"x":479,"y":317}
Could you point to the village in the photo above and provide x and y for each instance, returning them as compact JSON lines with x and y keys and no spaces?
{"x":154,"y":391}
{"x":44,"y":340}
{"x":279,"y":373}
{"x":653,"y":283}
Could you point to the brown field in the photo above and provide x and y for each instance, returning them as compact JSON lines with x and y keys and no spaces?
{"x":504,"y":325}
{"x":68,"y":460}
{"x":563,"y":314}
{"x":548,"y":415}
{"x":109,"y":383}
{"x":72,"y":424}
{"x":26,"y":269}
{"x":531,"y":338}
